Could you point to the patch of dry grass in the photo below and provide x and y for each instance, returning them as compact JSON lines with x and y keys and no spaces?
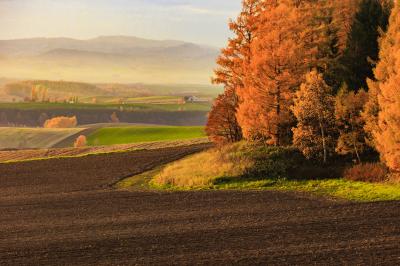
{"x":200,"y":170}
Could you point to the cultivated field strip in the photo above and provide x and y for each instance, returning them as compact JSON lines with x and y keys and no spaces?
{"x":19,"y":155}
{"x":64,"y":212}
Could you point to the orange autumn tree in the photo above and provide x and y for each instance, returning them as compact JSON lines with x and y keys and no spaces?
{"x":344,"y":12}
{"x":314,"y":110}
{"x":293,"y":37}
{"x":381,"y":74}
{"x":387,"y":133}
{"x":80,"y":141}
{"x":231,"y":68}
{"x":221,"y":125}
{"x":350,"y":122}
{"x":272,"y":75}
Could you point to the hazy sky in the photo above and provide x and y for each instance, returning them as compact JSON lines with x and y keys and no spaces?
{"x":201,"y":21}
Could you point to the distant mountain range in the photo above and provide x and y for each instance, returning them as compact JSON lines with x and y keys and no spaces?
{"x":107,"y":59}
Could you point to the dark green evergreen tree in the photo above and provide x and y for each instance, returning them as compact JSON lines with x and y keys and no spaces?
{"x":362,"y":49}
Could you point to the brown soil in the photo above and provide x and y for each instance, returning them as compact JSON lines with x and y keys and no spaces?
{"x":65,"y":212}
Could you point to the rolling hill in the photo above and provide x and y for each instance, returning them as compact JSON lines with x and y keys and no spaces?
{"x":107,"y":59}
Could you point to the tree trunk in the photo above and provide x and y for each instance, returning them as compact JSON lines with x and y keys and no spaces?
{"x":278,"y":113}
{"x":356,"y":150}
{"x":323,"y":142}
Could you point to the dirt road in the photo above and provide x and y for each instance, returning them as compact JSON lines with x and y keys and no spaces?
{"x":64,"y":212}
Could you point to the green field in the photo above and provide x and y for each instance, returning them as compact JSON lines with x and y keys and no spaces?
{"x":205,"y":107}
{"x":33,"y":138}
{"x":124,"y":135}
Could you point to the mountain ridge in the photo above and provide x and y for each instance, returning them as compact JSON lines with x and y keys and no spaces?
{"x":107,"y":59}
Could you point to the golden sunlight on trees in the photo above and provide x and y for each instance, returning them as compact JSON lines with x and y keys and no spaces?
{"x":221,"y":126}
{"x":314,"y":111}
{"x":80,"y":142}
{"x":61,"y":122}
{"x":272,"y":74}
{"x":231,"y":68}
{"x":285,"y":64}
{"x":350,"y":123}
{"x":387,"y":135}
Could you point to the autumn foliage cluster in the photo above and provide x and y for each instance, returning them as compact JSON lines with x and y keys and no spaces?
{"x":80,"y":141}
{"x":322,"y":75}
{"x":61,"y":122}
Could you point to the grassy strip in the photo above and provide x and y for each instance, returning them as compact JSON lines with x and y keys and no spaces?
{"x":246,"y":166}
{"x":138,"y":182}
{"x":337,"y":188}
{"x":125,"y":135}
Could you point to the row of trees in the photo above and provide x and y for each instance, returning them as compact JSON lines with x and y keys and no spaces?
{"x":297,"y":72}
{"x":39,"y":93}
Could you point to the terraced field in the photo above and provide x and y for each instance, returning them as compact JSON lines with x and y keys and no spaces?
{"x":123,"y":135}
{"x":23,"y":155}
{"x":33,"y":138}
{"x":97,"y":134}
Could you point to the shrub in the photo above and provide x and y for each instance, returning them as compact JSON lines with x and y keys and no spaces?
{"x":80,"y":141}
{"x":368,"y":172}
{"x":61,"y":122}
{"x":114,"y":118}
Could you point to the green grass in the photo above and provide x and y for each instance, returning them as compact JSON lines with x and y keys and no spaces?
{"x":125,"y":135}
{"x":138,"y":182}
{"x":32,"y":138}
{"x":338,"y":188}
{"x":332,"y":188}
{"x":145,"y":107}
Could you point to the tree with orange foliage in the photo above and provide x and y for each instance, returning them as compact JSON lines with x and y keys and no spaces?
{"x":80,"y":141}
{"x":272,"y":76}
{"x":34,"y":94}
{"x":381,"y":74}
{"x":293,"y":37}
{"x":387,"y":133}
{"x":344,"y":13}
{"x":350,"y":123}
{"x":61,"y":122}
{"x":233,"y":60}
{"x":314,"y":110}
{"x":221,"y":126}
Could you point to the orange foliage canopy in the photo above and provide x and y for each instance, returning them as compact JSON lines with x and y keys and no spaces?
{"x":80,"y":141}
{"x":350,"y":122}
{"x":222,"y":126}
{"x":267,"y":95}
{"x":314,"y":110}
{"x":292,"y":38}
{"x":231,"y":72}
{"x":61,"y":122}
{"x":387,"y":133}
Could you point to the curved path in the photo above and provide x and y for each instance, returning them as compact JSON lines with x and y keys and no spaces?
{"x":64,"y":212}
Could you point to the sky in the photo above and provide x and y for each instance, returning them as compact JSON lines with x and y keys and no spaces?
{"x":198,"y":21}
